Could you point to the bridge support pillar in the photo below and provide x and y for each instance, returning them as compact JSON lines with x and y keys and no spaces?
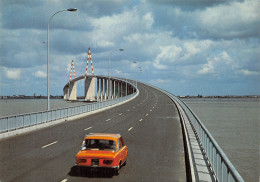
{"x":121,"y":89}
{"x":98,"y":91}
{"x":112,"y":89}
{"x":73,"y":91}
{"x":90,"y":89}
{"x":109,"y":88}
{"x":66,"y":93}
{"x":102,"y":89}
{"x":105,"y":96}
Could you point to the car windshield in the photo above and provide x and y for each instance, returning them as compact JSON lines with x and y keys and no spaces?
{"x":97,"y":144}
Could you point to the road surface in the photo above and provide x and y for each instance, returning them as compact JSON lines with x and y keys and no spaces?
{"x":150,"y":127}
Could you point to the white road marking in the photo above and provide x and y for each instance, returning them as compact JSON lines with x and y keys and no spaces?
{"x":141,"y":120}
{"x":108,"y":119}
{"x":128,"y":110}
{"x":146,"y":115}
{"x":133,"y":107}
{"x":153,"y":107}
{"x":49,"y":144}
{"x":65,"y":180}
{"x":120,"y":114}
{"x":130,"y":129}
{"x":151,"y":110}
{"x":88,"y":128}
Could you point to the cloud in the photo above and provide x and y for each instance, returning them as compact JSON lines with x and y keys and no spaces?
{"x":14,"y":74}
{"x":248,"y":73}
{"x":159,"y":81}
{"x":217,"y":64}
{"x":40,"y":74}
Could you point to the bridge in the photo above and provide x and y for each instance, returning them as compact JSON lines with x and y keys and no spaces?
{"x":166,"y":142}
{"x":165,"y":139}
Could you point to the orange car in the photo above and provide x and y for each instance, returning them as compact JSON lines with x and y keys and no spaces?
{"x":102,"y":150}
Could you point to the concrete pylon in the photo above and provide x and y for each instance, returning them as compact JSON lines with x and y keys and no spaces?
{"x":90,"y":88}
{"x":73,"y":91}
{"x":105,"y":96}
{"x":66,"y":93}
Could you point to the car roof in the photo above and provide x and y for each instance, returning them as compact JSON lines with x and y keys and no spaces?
{"x":102,"y":136}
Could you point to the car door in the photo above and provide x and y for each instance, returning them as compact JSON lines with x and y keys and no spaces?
{"x":123,"y":149}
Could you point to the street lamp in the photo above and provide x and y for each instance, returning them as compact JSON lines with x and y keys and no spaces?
{"x":109,"y":94}
{"x":48,"y":91}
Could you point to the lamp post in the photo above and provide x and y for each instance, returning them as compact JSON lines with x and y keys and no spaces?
{"x":48,"y":91}
{"x":109,"y":90}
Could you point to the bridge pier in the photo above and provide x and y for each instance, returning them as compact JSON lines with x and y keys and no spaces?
{"x":90,"y":89}
{"x":105,"y":97}
{"x":73,"y":91}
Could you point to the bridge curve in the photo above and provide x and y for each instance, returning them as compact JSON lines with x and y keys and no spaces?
{"x":99,"y":88}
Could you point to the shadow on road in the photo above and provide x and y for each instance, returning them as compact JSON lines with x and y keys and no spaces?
{"x":77,"y":171}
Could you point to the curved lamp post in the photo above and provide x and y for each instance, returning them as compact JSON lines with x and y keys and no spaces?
{"x":48,"y":91}
{"x":109,"y":91}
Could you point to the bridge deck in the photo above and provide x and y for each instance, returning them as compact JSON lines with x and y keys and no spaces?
{"x":149,"y":124}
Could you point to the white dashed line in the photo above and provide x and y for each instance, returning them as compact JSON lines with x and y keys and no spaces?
{"x":141,"y":120}
{"x":153,"y":107}
{"x":146,"y":115}
{"x":65,"y":180}
{"x":133,"y":107}
{"x":88,"y":128}
{"x":120,"y":114}
{"x":130,"y":129}
{"x":108,"y":119}
{"x":151,"y":110}
{"x":128,"y":110}
{"x":49,"y":144}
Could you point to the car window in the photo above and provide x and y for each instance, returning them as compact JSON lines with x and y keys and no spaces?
{"x":119,"y":145}
{"x":122,"y":142}
{"x":97,"y":144}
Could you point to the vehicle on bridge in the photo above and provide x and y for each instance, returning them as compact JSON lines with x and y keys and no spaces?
{"x":101,"y":150}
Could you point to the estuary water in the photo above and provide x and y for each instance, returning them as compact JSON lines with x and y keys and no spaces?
{"x":22,"y":106}
{"x":234,"y":123}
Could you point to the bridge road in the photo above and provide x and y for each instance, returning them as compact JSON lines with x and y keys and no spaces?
{"x":150,"y":127}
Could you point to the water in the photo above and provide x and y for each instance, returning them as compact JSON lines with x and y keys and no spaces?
{"x":234,"y":123}
{"x":22,"y":106}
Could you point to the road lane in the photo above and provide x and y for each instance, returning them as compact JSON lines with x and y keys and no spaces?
{"x":155,"y":144}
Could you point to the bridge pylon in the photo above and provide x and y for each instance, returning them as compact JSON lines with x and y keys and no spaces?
{"x":89,"y":81}
{"x":71,"y":92}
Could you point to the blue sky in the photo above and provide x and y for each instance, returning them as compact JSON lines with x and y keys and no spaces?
{"x":186,"y":47}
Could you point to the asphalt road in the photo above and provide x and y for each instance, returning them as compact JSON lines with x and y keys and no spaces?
{"x":150,"y":128}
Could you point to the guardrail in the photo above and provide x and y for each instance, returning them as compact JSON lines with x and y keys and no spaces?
{"x":219,"y":163}
{"x":10,"y":123}
{"x":221,"y":167}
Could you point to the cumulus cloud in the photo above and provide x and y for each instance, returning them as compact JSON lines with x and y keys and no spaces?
{"x":40,"y":74}
{"x":14,"y":74}
{"x":217,"y":64}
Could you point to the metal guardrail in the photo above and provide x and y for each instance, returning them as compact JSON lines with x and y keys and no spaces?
{"x":10,"y":123}
{"x":223,"y":170}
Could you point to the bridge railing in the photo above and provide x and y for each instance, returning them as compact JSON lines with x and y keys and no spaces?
{"x":221,"y":166}
{"x":223,"y":170}
{"x":10,"y":123}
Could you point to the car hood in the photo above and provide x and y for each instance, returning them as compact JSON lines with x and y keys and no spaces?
{"x":96,"y":154}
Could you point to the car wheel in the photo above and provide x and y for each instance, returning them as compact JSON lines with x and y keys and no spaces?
{"x":124,"y":163}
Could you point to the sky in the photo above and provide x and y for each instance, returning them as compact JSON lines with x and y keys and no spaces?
{"x":187,"y":47}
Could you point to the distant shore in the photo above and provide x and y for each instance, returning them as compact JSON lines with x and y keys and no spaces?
{"x":80,"y":97}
